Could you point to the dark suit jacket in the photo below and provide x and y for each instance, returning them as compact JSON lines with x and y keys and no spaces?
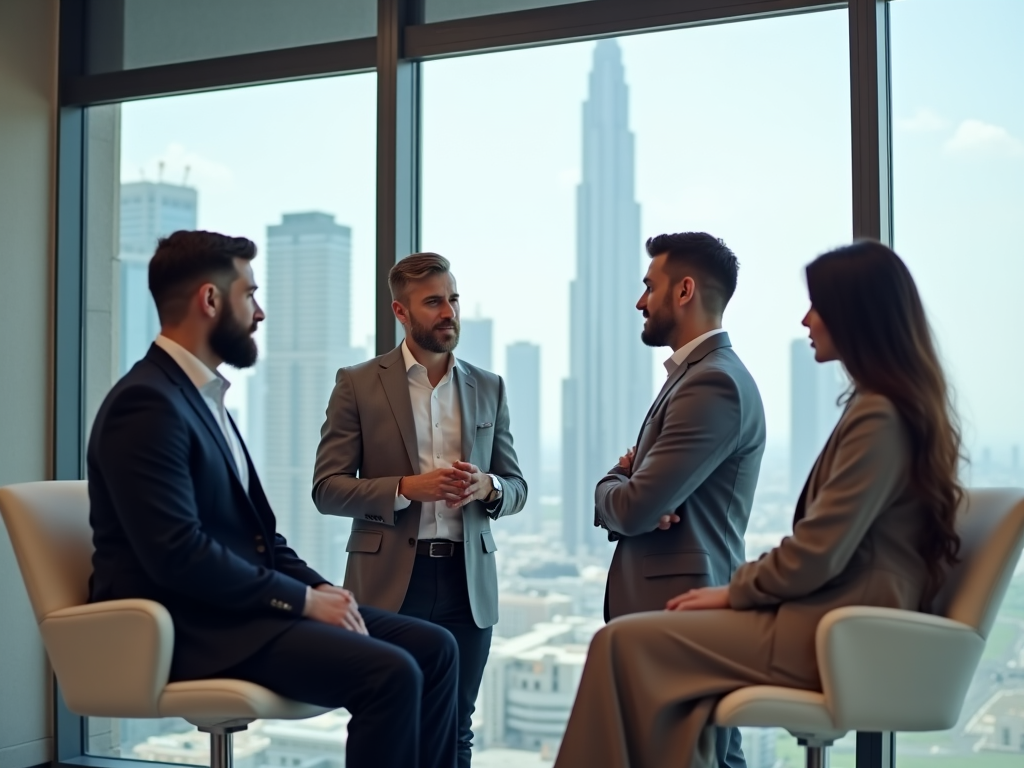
{"x":172,"y":523}
{"x":698,"y":455}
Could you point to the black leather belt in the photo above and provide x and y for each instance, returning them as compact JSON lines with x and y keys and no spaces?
{"x":438,"y":548}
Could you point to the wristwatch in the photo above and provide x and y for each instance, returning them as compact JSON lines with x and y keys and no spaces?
{"x":495,"y":495}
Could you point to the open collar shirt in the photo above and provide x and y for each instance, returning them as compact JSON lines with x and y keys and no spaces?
{"x":212,"y":387}
{"x":680,"y":355}
{"x":438,"y":416}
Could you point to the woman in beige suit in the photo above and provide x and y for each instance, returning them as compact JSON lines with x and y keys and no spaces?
{"x":873,"y":526}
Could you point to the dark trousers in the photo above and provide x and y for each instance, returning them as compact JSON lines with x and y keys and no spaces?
{"x":438,"y":593}
{"x":728,"y":749}
{"x":399,"y":685}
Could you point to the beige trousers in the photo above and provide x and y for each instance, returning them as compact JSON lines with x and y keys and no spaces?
{"x":651,"y":683}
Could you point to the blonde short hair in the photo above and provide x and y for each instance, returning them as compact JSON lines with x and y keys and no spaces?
{"x":414,"y":268}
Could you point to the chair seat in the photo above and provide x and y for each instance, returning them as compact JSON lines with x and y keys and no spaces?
{"x":802,"y":713}
{"x":213,"y":702}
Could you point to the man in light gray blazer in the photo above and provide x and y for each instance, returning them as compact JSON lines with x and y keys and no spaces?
{"x":416,"y":449}
{"x":679,"y":501}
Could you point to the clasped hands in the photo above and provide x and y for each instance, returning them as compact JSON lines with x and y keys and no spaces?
{"x":336,"y":606}
{"x":456,"y":485}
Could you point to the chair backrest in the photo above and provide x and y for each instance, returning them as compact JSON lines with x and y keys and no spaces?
{"x":991,"y":527}
{"x":48,"y":523}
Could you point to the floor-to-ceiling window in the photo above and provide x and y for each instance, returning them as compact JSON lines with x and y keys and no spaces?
{"x":544,"y":169}
{"x":291,"y":167}
{"x":544,"y":172}
{"x":958,"y":162}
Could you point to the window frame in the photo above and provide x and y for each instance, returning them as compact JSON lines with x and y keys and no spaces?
{"x":401,"y":43}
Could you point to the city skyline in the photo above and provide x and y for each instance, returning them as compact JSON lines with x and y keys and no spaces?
{"x":148,"y":211}
{"x":476,"y":341}
{"x":815,"y":390}
{"x":609,"y":384}
{"x":522,"y":384}
{"x":309,"y":294}
{"x":771,"y":178}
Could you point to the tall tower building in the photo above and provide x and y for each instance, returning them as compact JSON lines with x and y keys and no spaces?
{"x":476,"y":342}
{"x":149,"y":210}
{"x":815,"y":389}
{"x":609,"y":386}
{"x":522,"y":379}
{"x":308,"y":301}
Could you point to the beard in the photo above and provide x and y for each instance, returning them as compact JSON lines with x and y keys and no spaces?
{"x":232,"y":341}
{"x":657,"y":330}
{"x":431,"y":339}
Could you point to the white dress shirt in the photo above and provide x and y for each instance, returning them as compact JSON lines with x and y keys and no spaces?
{"x":684,"y":351}
{"x":212,"y":388}
{"x":438,"y":420}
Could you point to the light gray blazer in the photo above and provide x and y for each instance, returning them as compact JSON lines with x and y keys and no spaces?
{"x":698,"y":455}
{"x":368,"y":443}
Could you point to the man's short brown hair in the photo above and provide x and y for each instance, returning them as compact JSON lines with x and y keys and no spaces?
{"x":412,"y":269}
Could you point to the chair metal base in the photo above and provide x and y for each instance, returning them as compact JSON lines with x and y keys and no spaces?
{"x":816,"y":752}
{"x":221,"y":741}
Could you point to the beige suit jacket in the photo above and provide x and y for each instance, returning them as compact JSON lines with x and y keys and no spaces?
{"x":855,"y":536}
{"x":368,"y":443}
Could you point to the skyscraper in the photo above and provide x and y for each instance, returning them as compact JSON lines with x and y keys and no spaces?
{"x":609,"y":386}
{"x":149,"y":210}
{"x":308,"y":301}
{"x":815,"y":389}
{"x":522,"y":379}
{"x":476,"y":342}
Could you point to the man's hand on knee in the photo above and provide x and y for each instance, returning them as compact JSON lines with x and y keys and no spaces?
{"x":334,"y":605}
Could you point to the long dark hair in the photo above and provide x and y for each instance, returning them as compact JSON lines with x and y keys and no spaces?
{"x":869,"y":303}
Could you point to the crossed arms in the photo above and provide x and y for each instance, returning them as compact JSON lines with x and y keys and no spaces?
{"x":700,"y":429}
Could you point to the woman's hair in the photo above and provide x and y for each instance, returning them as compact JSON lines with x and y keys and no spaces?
{"x":870,"y":305}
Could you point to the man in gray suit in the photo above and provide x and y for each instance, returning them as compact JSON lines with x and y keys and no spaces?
{"x":679,"y":501}
{"x":416,"y":449}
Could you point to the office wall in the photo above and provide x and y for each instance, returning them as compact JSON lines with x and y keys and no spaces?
{"x":28,"y":54}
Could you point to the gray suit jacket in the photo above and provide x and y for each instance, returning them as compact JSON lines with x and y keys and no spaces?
{"x":855,"y":537}
{"x":698,"y":455}
{"x":368,"y":443}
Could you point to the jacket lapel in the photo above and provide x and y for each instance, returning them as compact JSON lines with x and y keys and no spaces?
{"x":178,"y":376}
{"x":702,"y":350}
{"x":813,"y":483}
{"x":395,"y":382}
{"x":466,"y":384}
{"x":257,"y":497}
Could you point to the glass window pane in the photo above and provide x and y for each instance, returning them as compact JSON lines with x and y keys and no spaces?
{"x":446,"y":10}
{"x":292,"y":167}
{"x":127,"y":34}
{"x":541,"y":187}
{"x":958,"y":163}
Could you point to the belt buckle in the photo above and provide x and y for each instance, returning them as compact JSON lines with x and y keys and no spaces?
{"x":441,"y":545}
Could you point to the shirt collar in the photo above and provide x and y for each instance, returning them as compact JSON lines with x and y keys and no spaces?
{"x":197,"y":371}
{"x":680,"y":355}
{"x":411,"y":362}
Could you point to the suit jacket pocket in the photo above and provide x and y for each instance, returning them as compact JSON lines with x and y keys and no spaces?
{"x":677,"y":564}
{"x":364,"y":541}
{"x":487,"y":540}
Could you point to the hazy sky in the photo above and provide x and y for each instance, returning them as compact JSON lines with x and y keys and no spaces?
{"x":741,"y":130}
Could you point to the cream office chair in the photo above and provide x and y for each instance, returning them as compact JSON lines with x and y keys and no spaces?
{"x":112,"y":659}
{"x":891,"y":670}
